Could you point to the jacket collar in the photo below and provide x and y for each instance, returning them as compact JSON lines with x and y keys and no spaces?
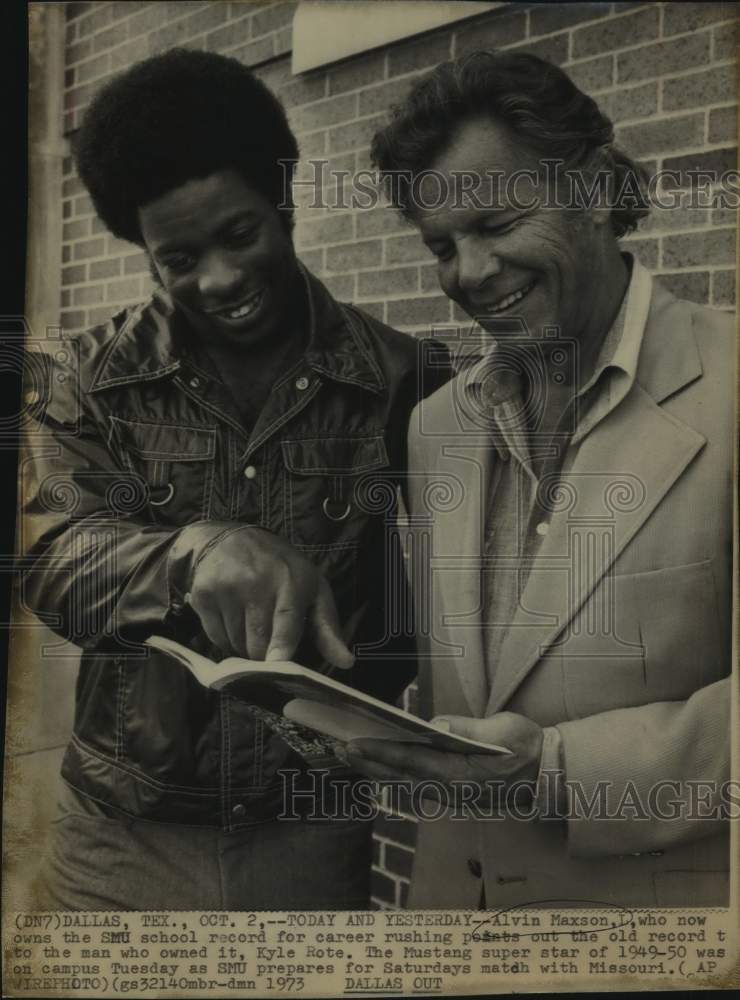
{"x":145,"y":345}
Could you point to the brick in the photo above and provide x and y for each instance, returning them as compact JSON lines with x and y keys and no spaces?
{"x":76,"y":53}
{"x":74,"y":275}
{"x":272,"y":18}
{"x":722,"y":124}
{"x":73,"y":320}
{"x":213,"y":15}
{"x":637,"y":102}
{"x":683,"y":216}
{"x":383,"y":887}
{"x":78,"y":97}
{"x":167,"y":37}
{"x":593,"y":74}
{"x":69,"y":78}
{"x":714,"y":161}
{"x":125,"y":290}
{"x":381,"y":221}
{"x":66,"y":209}
{"x":396,"y":281}
{"x":493,"y":31}
{"x":135,"y":263}
{"x":100,"y":17}
{"x":255,"y":52}
{"x":691,"y":285}
{"x":662,"y":58}
{"x":554,"y":48}
{"x":89,"y":248}
{"x":93,"y":68}
{"x":105,"y":269}
{"x":355,"y":134}
{"x":380,"y":98}
{"x":66,"y":254}
{"x":348,"y":257}
{"x":406,"y":249}
{"x":74,"y":11}
{"x":331,"y":228}
{"x":682,"y":17}
{"x":419,"y":311}
{"x":98,"y":226}
{"x":131,"y":52}
{"x":74,"y":230}
{"x":616,"y":33}
{"x":544,"y":18}
{"x":313,"y":144}
{"x":313,"y":259}
{"x":100,"y":315}
{"x":304,"y":89}
{"x":716,"y":246}
{"x":697,"y":89}
{"x":83,"y":205}
{"x":88,"y":295}
{"x":723,"y":288}
{"x":398,"y":860}
{"x":662,"y":136}
{"x":109,"y":38}
{"x":375,"y":309}
{"x":329,"y":112}
{"x":429,"y":278}
{"x":423,"y":53}
{"x":724,"y":216}
{"x":66,"y":299}
{"x":395,"y":828}
{"x":341,"y":286}
{"x":146,"y":20}
{"x":403,"y":894}
{"x":725,"y":41}
{"x":283,"y":40}
{"x":127,"y":8}
{"x":646,"y":250}
{"x":231,"y":34}
{"x":357,"y":73}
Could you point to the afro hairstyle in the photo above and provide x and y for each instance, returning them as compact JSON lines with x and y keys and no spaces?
{"x":182,"y":115}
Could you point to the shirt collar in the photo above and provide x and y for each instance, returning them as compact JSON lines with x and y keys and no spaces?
{"x":146,"y":345}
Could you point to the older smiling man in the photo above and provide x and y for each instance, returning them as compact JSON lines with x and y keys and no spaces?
{"x":580,"y":585}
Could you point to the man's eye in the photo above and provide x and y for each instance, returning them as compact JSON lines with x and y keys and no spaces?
{"x":442,"y":251}
{"x":500,"y":228}
{"x":178,"y":263}
{"x":243,"y":235}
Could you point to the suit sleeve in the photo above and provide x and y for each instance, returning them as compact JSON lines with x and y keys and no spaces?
{"x":660,"y":771}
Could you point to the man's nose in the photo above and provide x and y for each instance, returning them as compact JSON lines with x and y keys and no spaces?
{"x":218,"y":276}
{"x":475,"y":265}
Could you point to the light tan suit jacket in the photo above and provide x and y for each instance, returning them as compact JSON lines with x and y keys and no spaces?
{"x":622,"y":637}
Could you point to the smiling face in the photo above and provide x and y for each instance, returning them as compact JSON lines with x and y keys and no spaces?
{"x":511,"y":256}
{"x":222,"y":253}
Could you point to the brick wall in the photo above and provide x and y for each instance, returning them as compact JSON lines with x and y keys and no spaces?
{"x":664,"y":72}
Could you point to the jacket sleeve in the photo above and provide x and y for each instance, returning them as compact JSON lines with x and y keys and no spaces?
{"x":95,"y":568}
{"x":660,"y":770}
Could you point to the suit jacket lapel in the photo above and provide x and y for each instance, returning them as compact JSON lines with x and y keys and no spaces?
{"x":620,"y":473}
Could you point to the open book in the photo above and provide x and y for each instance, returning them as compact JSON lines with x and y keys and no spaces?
{"x":316,"y":701}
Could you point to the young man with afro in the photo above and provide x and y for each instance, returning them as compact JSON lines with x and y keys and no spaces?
{"x":222,"y":447}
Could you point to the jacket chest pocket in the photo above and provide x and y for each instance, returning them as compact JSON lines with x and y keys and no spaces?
{"x":326,"y":486}
{"x":177,"y":462}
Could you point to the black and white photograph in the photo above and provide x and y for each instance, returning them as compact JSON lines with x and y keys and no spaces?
{"x":375,"y":556}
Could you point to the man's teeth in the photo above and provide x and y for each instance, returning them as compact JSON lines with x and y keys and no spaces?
{"x":244,"y":310}
{"x":510,"y":299}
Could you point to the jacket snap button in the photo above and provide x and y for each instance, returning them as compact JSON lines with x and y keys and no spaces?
{"x":194,"y":382}
{"x":250,"y":472}
{"x":239,"y":809}
{"x":301,"y":382}
{"x":474,"y":867}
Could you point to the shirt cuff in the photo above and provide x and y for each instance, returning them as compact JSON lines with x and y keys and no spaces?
{"x":549,"y":794}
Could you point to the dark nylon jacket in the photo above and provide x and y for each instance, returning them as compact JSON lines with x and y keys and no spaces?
{"x":139,"y":458}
